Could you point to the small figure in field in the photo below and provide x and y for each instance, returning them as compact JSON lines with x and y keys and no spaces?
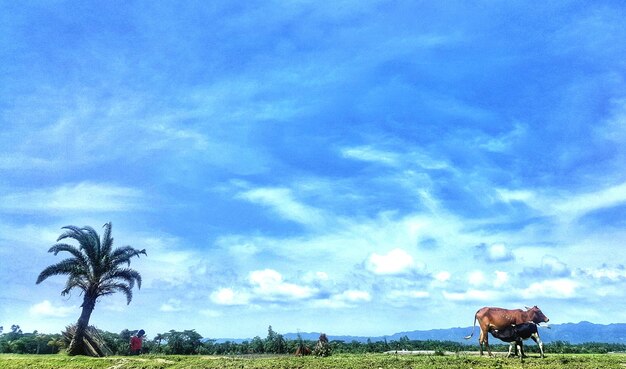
{"x":322,"y":348}
{"x":136,"y":342}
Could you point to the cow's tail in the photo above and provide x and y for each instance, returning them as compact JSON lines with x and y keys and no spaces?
{"x":474,"y":327}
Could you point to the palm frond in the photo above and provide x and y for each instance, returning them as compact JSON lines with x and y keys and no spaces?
{"x":72,"y":232}
{"x":74,"y":282}
{"x":107,"y":240}
{"x":111,"y":288}
{"x":71,"y":249}
{"x":123,"y":254}
{"x":128,"y":275}
{"x":84,"y":239}
{"x":94,"y":239}
{"x":68,"y":266}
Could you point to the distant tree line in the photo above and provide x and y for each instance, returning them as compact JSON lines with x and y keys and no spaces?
{"x":190,"y":342}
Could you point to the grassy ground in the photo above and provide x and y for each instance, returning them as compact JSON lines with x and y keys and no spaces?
{"x":369,"y":361}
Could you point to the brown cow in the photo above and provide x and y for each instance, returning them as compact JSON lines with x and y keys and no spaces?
{"x":498,"y":318}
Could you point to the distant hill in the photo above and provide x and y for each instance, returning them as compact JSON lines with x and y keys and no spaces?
{"x":574,"y":333}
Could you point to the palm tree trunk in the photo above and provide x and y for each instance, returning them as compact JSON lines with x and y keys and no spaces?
{"x":77,"y":345}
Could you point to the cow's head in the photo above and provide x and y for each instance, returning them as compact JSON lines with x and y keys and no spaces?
{"x":537,"y":315}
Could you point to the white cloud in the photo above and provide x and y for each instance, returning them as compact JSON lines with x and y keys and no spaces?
{"x":46,"y":309}
{"x":355,"y":296}
{"x":182,"y":137}
{"x":578,"y":205}
{"x":268,"y":284}
{"x":390,"y":158}
{"x":443,"y":276}
{"x":501,"y":278}
{"x":282,"y":201}
{"x":345,"y":299}
{"x":84,"y":197}
{"x":396,"y":261}
{"x":608,"y":273}
{"x":555,"y":288}
{"x":476,"y":278}
{"x":227,"y":296}
{"x":554,"y":266}
{"x":515,"y":195}
{"x":367,"y":153}
{"x":499,"y":252}
{"x":312,"y":277}
{"x":570,"y":206}
{"x":503,"y":142}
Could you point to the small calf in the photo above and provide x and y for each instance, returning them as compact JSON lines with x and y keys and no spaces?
{"x":515,"y":334}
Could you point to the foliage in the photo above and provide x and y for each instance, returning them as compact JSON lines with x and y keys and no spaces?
{"x":18,"y":342}
{"x":95,"y":269}
{"x":189,"y":342}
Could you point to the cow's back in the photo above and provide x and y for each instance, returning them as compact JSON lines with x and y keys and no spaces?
{"x":499,"y":318}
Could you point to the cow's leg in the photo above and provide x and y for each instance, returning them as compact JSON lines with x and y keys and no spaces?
{"x":480,"y":341}
{"x":520,"y":346}
{"x":487,"y":345}
{"x":511,"y":346}
{"x":535,"y":337}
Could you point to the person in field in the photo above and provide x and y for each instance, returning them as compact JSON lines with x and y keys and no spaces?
{"x":136,"y":342}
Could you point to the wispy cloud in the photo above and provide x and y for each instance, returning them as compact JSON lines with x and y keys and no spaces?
{"x":567,"y":206}
{"x":283,"y":203}
{"x":81,"y":197}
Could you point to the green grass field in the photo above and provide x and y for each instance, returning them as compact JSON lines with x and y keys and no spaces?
{"x":369,"y":361}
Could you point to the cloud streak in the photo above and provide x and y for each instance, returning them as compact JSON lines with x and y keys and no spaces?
{"x":80,"y":197}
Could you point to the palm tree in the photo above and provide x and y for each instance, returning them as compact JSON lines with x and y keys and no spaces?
{"x":96,"y":269}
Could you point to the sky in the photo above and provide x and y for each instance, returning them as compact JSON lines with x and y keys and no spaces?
{"x":348,"y":167}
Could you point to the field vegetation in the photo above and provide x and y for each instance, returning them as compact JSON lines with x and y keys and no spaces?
{"x":347,"y":361}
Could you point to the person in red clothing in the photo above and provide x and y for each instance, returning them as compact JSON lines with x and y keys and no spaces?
{"x":136,"y":342}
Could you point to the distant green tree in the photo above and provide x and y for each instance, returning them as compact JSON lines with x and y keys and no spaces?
{"x":274,"y":343}
{"x":257,"y":345}
{"x":96,"y":269}
{"x":186,"y":342}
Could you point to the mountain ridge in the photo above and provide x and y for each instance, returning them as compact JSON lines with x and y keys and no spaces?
{"x":574,"y":333}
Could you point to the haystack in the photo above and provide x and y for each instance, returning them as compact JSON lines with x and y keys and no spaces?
{"x":94,"y":344}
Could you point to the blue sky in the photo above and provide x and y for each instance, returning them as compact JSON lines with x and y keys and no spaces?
{"x":357,"y":168}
